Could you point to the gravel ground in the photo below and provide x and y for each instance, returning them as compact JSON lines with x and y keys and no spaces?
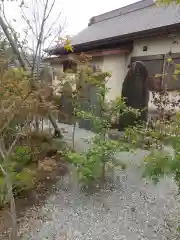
{"x":127,"y":209}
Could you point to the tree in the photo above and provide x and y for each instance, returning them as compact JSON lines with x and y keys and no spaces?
{"x":23,"y":94}
{"x":92,"y":165}
{"x":39,"y":38}
{"x":168,"y":2}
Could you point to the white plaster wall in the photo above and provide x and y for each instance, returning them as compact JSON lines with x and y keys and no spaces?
{"x":98,"y":61}
{"x":70,"y":77}
{"x":115,"y":64}
{"x":155,"y":45}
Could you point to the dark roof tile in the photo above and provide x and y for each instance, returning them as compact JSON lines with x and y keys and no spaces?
{"x":137,"y":17}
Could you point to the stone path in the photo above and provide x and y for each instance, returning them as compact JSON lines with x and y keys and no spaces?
{"x":129,"y":209}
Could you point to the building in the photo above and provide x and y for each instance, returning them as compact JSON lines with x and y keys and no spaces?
{"x":137,"y":32}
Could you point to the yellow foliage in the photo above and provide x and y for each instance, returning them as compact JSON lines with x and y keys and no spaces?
{"x":169,"y":60}
{"x":67,"y":43}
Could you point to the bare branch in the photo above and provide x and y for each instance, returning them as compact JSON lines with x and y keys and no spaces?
{"x":39,"y":43}
{"x":50,"y":10}
{"x":28,"y":23}
{"x":50,"y":28}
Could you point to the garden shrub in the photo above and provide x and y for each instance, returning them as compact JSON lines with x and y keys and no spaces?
{"x":127,"y":119}
{"x":91,"y":165}
{"x":24,"y":180}
{"x":157,"y":164}
{"x":22,"y":177}
{"x":22,"y":155}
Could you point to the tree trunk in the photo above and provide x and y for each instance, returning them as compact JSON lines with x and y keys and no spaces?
{"x":14,"y":232}
{"x":12,"y":43}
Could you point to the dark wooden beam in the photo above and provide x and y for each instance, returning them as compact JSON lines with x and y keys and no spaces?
{"x":148,"y":58}
{"x":106,"y":52}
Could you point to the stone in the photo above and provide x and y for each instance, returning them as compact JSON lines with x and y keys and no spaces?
{"x":135,"y":94}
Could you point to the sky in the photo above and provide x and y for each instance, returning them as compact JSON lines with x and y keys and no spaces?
{"x":76,"y":14}
{"x":80,"y":11}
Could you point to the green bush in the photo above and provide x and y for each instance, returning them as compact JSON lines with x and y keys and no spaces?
{"x":22,"y":178}
{"x":22,"y":155}
{"x":22,"y":181}
{"x":91,"y":165}
{"x":157,"y":165}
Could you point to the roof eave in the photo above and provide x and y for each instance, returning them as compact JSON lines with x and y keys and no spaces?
{"x":119,"y":39}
